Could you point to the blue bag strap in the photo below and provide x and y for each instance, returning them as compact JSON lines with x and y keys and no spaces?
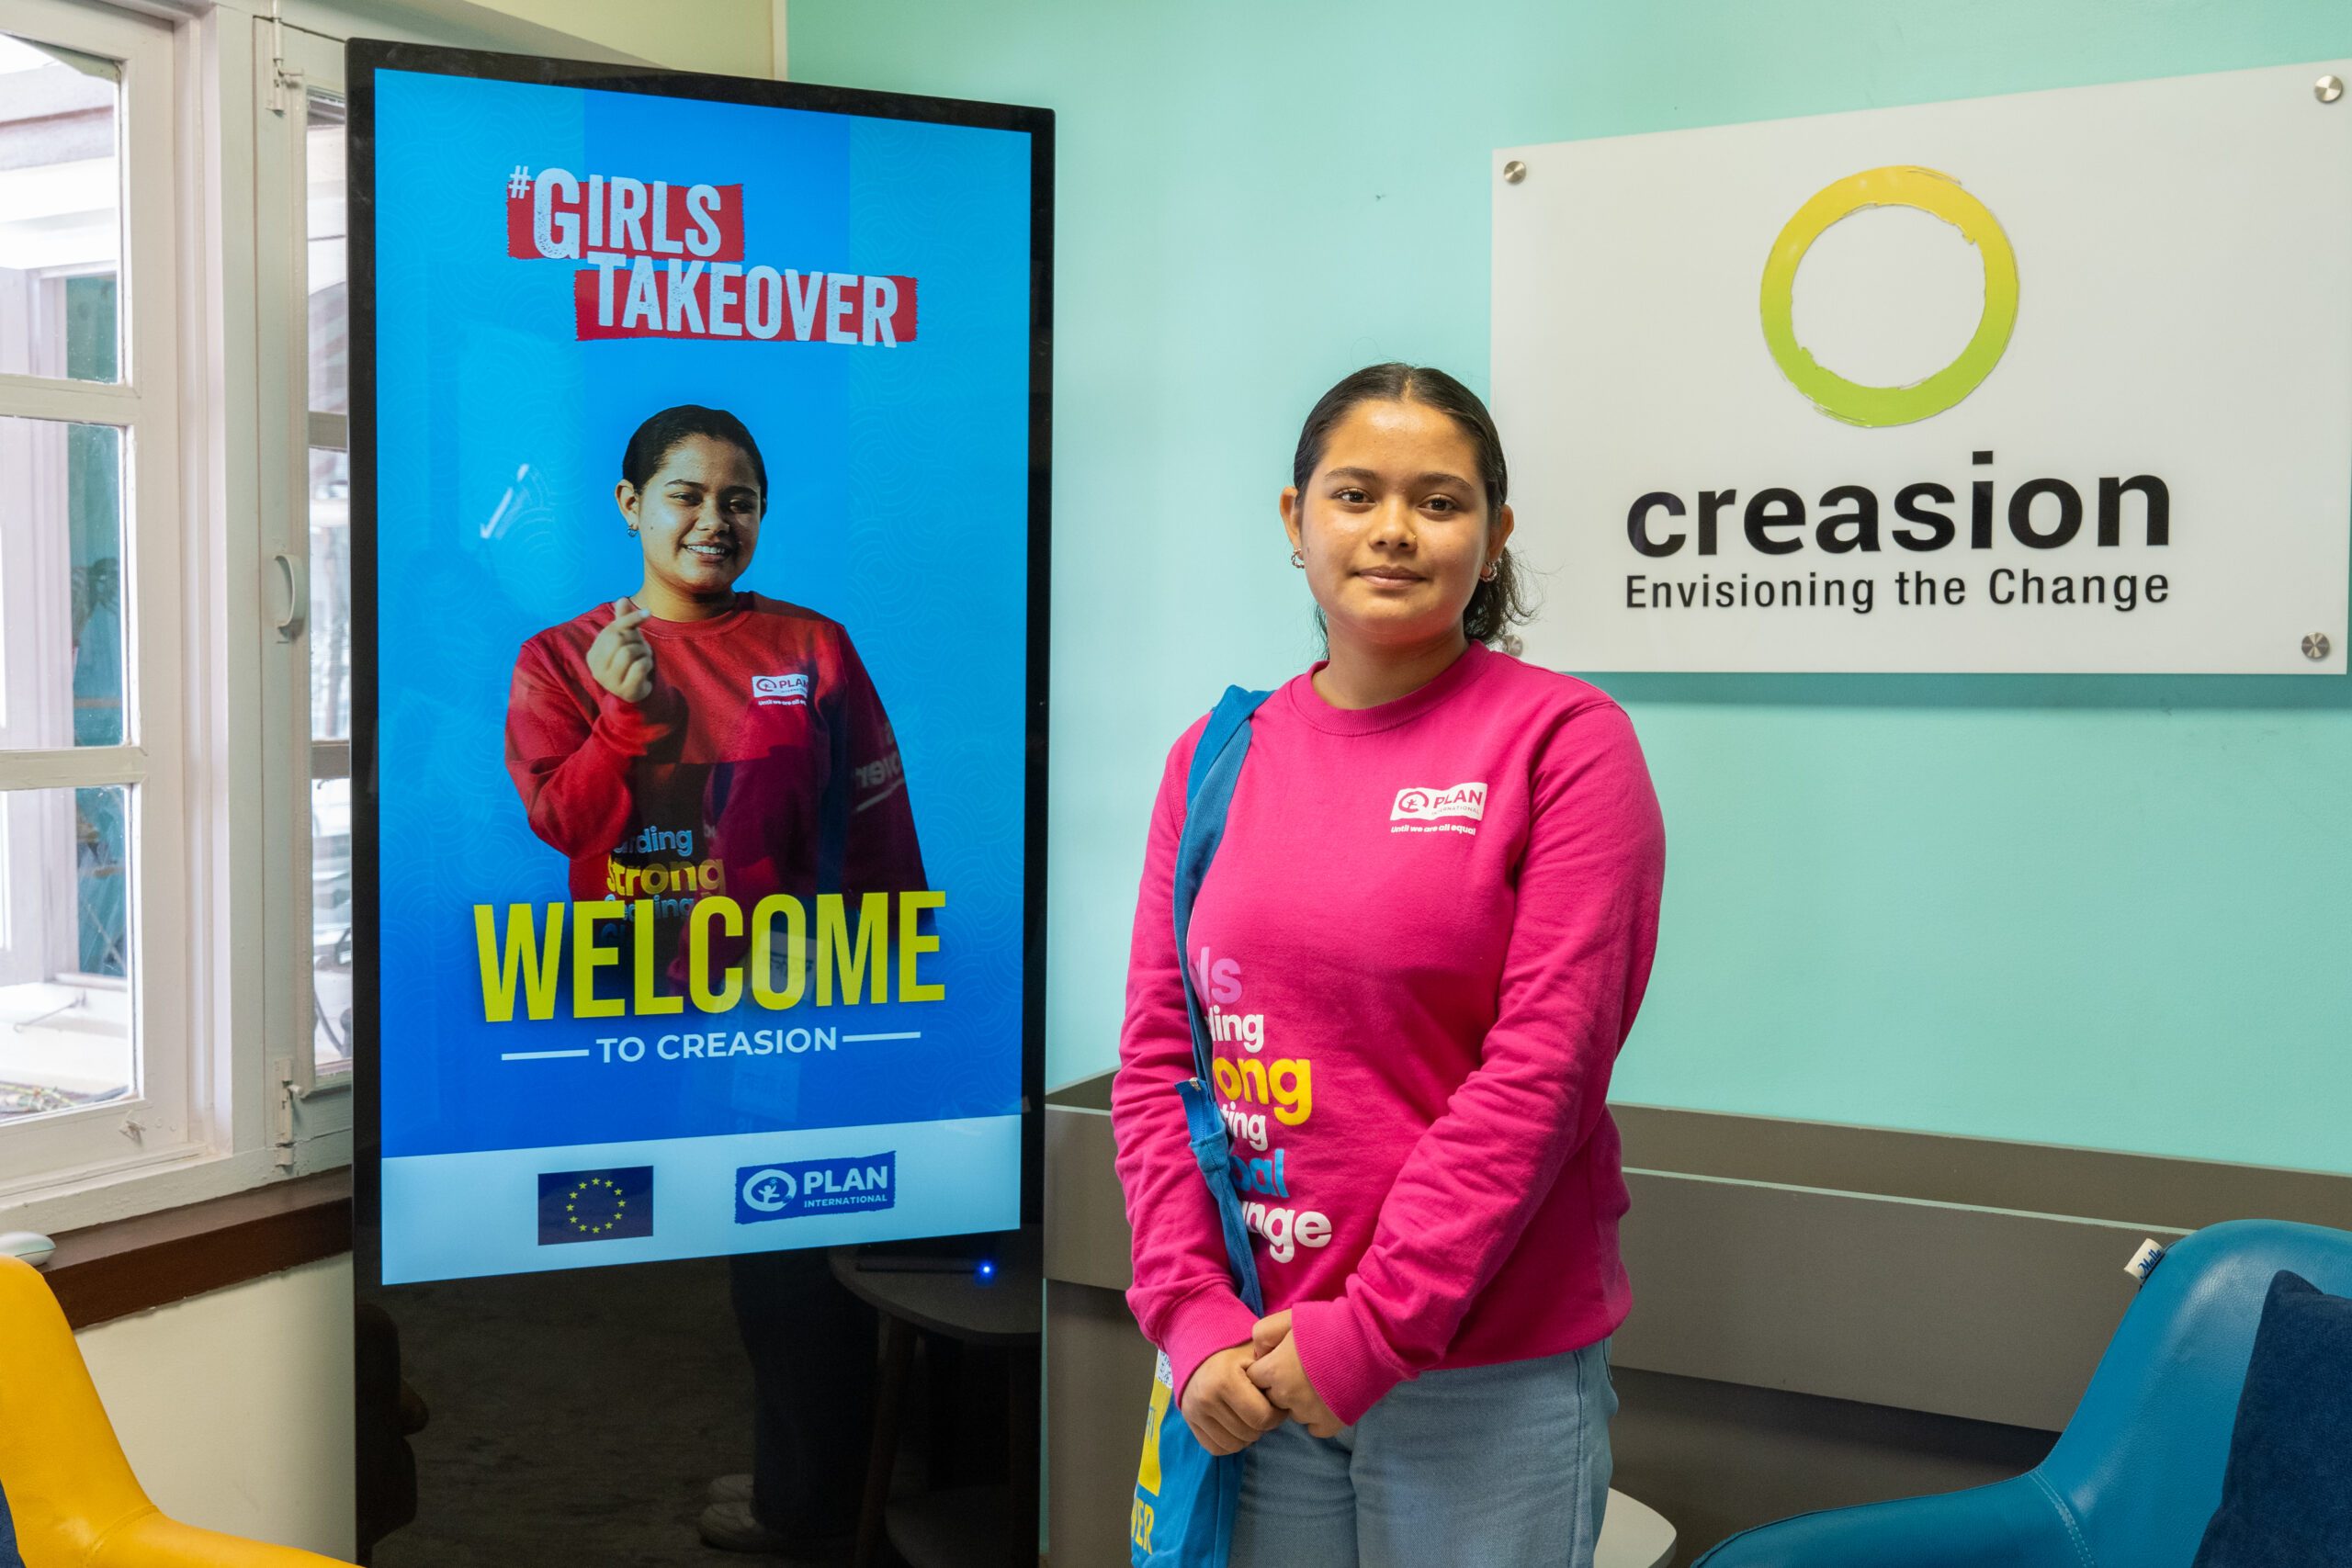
{"x":1208,"y":792}
{"x":1227,"y":722}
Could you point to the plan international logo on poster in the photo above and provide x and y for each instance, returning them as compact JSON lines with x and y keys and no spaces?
{"x":780,"y":691}
{"x":2043,"y":383}
{"x":853,"y":1185}
{"x":666,"y":260}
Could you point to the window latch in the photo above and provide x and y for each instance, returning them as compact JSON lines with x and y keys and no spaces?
{"x":295,"y":573}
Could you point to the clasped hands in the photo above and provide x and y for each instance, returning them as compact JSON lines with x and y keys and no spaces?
{"x":1239,"y":1395}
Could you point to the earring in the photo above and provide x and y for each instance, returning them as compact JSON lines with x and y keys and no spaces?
{"x":632,"y":530}
{"x":1487,"y":575}
{"x":1298,"y":560}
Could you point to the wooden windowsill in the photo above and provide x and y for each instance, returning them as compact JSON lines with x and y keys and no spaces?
{"x":111,"y":1270}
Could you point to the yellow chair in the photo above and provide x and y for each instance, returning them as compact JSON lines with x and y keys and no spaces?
{"x":70,"y":1493}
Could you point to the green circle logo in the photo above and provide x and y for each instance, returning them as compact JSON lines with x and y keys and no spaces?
{"x":1933,"y":193}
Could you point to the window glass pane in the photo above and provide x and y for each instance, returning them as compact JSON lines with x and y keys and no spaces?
{"x":330,"y":595}
{"x":60,"y":221}
{"x":62,"y":647}
{"x":331,"y":920}
{"x":330,"y":381}
{"x":66,"y":959}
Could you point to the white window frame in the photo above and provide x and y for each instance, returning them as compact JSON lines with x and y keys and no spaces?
{"x":167,"y":1117}
{"x":289,"y":62}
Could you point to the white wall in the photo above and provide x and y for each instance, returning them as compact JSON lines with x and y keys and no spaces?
{"x":727,"y":38}
{"x":235,"y":1407}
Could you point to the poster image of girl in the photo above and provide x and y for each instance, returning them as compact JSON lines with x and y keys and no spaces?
{"x":692,"y":739}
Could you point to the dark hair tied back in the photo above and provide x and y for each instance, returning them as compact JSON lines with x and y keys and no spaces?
{"x":1499,"y":602}
{"x":651,"y":446}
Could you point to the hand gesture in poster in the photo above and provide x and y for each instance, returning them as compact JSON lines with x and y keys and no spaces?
{"x":620,"y":658}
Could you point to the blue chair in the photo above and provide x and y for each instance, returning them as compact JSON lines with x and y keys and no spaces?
{"x":2137,"y":1471}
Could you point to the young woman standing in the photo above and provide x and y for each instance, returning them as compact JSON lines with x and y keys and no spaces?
{"x":1420,"y":945}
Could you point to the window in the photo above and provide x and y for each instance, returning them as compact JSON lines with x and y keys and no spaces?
{"x":65,"y":1027}
{"x":61,"y":230}
{"x":305,"y":510}
{"x":328,"y":471}
{"x":94,"y":1029}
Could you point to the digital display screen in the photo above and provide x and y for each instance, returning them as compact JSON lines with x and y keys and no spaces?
{"x":698,"y":472}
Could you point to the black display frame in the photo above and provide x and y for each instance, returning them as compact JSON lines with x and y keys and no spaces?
{"x":364,"y":58}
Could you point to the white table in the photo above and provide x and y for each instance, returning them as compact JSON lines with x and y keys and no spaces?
{"x":1633,"y":1535}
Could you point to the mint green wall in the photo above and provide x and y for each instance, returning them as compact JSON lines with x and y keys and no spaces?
{"x":2102,"y":911}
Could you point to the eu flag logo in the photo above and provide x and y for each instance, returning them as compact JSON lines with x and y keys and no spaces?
{"x":595,"y":1205}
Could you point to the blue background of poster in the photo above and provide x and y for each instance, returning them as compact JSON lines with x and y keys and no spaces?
{"x":897,"y":506}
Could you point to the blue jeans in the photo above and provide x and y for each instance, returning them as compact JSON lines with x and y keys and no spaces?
{"x":1485,"y":1467}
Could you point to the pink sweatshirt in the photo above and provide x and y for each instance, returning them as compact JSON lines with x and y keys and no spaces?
{"x":1421,"y":943}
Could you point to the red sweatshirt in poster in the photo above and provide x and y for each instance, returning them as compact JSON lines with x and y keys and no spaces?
{"x":761,"y":763}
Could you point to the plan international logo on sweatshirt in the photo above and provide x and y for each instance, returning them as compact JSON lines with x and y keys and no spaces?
{"x":780,"y":691}
{"x":1423,"y":803}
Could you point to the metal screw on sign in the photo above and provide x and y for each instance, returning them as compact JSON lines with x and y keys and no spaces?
{"x":2328,"y":89}
{"x":2315,"y":646}
{"x":1515,"y":171}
